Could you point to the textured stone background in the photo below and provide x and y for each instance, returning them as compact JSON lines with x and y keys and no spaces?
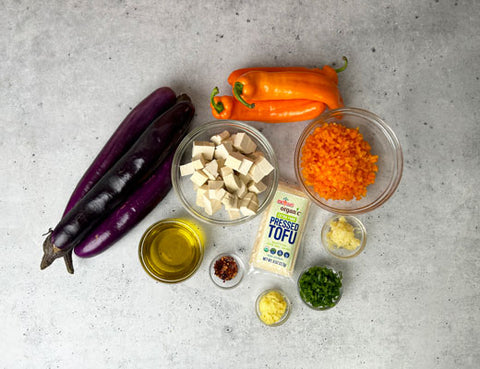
{"x":71,"y":70}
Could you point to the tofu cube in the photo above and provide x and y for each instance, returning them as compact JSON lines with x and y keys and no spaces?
{"x":211,"y":206}
{"x":257,"y":188}
{"x":213,"y":186}
{"x":223,"y":150}
{"x":211,"y":169}
{"x":198,"y":162}
{"x":245,"y":166}
{"x":230,"y":201}
{"x":204,"y":148}
{"x":234,"y":160}
{"x":199,"y":178}
{"x":226,"y":171}
{"x":217,"y":139}
{"x":260,"y":168}
{"x":249,"y":204}
{"x":242,"y":191}
{"x":187,"y":169}
{"x":243,"y":143}
{"x":232,"y":183}
{"x":201,"y":192}
{"x":234,"y":214}
{"x":220,"y":194}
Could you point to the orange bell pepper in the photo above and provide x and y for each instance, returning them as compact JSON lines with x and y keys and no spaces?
{"x":326,"y":70}
{"x":226,"y":107}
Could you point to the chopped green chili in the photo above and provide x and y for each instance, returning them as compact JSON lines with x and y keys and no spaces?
{"x":320,"y":287}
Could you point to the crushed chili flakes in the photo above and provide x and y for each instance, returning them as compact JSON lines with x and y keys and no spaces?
{"x":336,"y":161}
{"x":226,"y":268}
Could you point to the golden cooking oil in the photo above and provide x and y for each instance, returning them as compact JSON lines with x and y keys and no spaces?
{"x":172,"y":250}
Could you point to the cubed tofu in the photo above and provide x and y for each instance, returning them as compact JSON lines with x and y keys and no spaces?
{"x":234,"y":160}
{"x":249,"y":204}
{"x":260,"y":168}
{"x":242,"y":191}
{"x":213,"y":186}
{"x":187,"y":169}
{"x":201,"y":192}
{"x":211,"y":169}
{"x":245,"y":166}
{"x":222,"y":150}
{"x":220,"y":194}
{"x":217,"y":139}
{"x":257,"y":188}
{"x":243,"y":143}
{"x":211,"y":206}
{"x":230,"y":201}
{"x":199,"y":178}
{"x":204,"y":148}
{"x":198,"y":162}
{"x":232,"y":182}
{"x":234,"y":214}
{"x":226,"y":171}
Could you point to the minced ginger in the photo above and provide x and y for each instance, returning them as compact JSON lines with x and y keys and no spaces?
{"x":272,"y":306}
{"x":342,"y":235}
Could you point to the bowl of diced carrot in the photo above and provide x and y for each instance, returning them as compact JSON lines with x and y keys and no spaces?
{"x":348,"y":161}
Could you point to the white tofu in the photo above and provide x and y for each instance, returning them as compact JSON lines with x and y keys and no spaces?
{"x":213,"y":186}
{"x":249,"y":204}
{"x":245,"y":178}
{"x":243,"y":143}
{"x":245,"y":166}
{"x":201,"y":192}
{"x":221,"y":163}
{"x":230,"y":201}
{"x":204,"y":148}
{"x":187,"y":169}
{"x":211,"y":169}
{"x":234,"y":214}
{"x":260,"y":168}
{"x":217,"y":139}
{"x":211,"y":206}
{"x":232,"y":183}
{"x":220,"y":194}
{"x":198,"y":162}
{"x":222,"y":150}
{"x":199,"y":178}
{"x":226,"y":171}
{"x":242,"y":191}
{"x":257,"y":187}
{"x":234,"y":160}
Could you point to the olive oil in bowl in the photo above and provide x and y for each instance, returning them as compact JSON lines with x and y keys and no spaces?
{"x":171,"y":250}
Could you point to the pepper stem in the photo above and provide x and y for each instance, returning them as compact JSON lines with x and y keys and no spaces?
{"x":217,"y":106}
{"x":341,"y":69}
{"x":237,"y":91}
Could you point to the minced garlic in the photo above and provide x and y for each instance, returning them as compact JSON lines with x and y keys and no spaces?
{"x":342,"y":235}
{"x":272,"y":306}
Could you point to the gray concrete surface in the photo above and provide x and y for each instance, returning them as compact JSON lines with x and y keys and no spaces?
{"x":71,"y":70}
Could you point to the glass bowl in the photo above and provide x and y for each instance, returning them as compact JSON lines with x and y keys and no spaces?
{"x":285,"y":315}
{"x":383,"y":143}
{"x":171,"y":250}
{"x":310,"y":304}
{"x":183,"y":186}
{"x":232,"y":282}
{"x":340,"y":252}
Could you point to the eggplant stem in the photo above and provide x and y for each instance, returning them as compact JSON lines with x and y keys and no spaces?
{"x":51,"y":252}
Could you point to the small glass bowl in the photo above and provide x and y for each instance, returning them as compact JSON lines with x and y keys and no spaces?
{"x":166,"y":240}
{"x":308,"y":303}
{"x":232,"y":282}
{"x":184,"y":187}
{"x":359,"y":231}
{"x":383,"y":143}
{"x":285,"y":315}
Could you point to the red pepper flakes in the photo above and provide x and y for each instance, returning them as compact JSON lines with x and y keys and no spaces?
{"x":226,"y":268}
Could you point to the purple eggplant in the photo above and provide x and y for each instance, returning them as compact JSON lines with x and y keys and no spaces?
{"x":130,"y":213}
{"x":122,"y":139}
{"x":119,"y":182}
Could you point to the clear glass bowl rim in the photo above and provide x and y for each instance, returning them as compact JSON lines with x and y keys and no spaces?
{"x":392,"y":139}
{"x":187,"y":140}
{"x":141,"y":245}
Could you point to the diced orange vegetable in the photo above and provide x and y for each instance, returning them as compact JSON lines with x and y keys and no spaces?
{"x":336,"y":161}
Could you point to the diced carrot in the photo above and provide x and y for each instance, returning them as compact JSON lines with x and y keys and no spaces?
{"x":336,"y":161}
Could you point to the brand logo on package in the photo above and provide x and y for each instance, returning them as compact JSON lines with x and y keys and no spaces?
{"x":285,"y":202}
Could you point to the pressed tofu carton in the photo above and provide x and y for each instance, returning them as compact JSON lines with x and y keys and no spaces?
{"x":280,"y":233}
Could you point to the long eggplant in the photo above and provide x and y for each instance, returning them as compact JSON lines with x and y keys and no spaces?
{"x":122,"y":139}
{"x":133,"y":168}
{"x":130,"y":213}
